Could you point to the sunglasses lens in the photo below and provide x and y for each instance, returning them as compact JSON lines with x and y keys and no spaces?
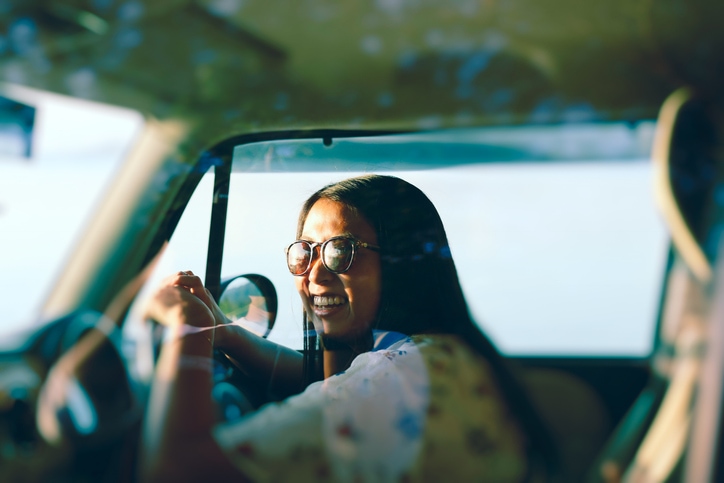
{"x":337,"y":254}
{"x":298,"y":257}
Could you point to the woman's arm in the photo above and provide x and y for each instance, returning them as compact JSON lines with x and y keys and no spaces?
{"x":177,"y":442}
{"x":274,"y":365}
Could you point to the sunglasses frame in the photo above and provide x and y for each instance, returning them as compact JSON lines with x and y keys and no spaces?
{"x":356,"y":243}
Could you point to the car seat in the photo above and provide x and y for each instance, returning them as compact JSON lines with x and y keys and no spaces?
{"x":650,"y":444}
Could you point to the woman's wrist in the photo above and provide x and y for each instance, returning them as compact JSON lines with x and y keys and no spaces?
{"x":228,"y":336}
{"x":220,"y":335}
{"x":183,"y":331}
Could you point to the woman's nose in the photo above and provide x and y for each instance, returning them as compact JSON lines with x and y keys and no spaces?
{"x":318,"y":273}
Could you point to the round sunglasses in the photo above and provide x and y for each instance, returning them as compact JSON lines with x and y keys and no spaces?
{"x":337,"y":254}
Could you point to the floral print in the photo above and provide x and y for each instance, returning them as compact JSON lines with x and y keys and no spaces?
{"x":421,"y":408}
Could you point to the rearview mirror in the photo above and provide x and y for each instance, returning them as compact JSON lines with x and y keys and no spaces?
{"x":16,"y":128}
{"x":250,"y":300}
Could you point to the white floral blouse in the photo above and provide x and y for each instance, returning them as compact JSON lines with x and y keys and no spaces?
{"x":421,"y":408}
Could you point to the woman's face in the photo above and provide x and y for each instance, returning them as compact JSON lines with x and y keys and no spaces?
{"x":342,"y":305}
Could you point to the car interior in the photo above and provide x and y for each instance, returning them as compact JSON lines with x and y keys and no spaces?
{"x":611,"y":322}
{"x":600,"y":409}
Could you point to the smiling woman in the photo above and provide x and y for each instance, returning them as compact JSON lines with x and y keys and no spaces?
{"x":410,"y":389}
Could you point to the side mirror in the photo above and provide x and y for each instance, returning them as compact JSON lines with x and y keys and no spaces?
{"x":250,"y":300}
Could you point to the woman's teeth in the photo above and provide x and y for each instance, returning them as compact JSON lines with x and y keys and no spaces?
{"x":327,"y":301}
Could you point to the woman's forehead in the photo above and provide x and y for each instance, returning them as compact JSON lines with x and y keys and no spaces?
{"x":329,"y":218}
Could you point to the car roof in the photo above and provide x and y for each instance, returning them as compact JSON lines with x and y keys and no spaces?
{"x":230,"y":67}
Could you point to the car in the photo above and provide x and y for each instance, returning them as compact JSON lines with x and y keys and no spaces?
{"x":529,"y":125}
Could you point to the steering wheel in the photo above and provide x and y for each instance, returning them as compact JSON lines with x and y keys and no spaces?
{"x":68,"y":406}
{"x":90,"y":405}
{"x":88,"y":396}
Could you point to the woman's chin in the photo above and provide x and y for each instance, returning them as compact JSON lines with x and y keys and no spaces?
{"x":332,"y":319}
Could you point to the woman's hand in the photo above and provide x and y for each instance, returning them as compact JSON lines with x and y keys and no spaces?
{"x":182,"y":299}
{"x":197,"y":288}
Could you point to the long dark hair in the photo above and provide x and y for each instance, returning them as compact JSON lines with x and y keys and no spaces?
{"x":421,"y":292}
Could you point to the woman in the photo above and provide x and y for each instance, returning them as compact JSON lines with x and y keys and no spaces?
{"x":411,"y":389}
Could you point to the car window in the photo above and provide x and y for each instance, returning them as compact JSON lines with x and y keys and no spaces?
{"x":553,"y":229}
